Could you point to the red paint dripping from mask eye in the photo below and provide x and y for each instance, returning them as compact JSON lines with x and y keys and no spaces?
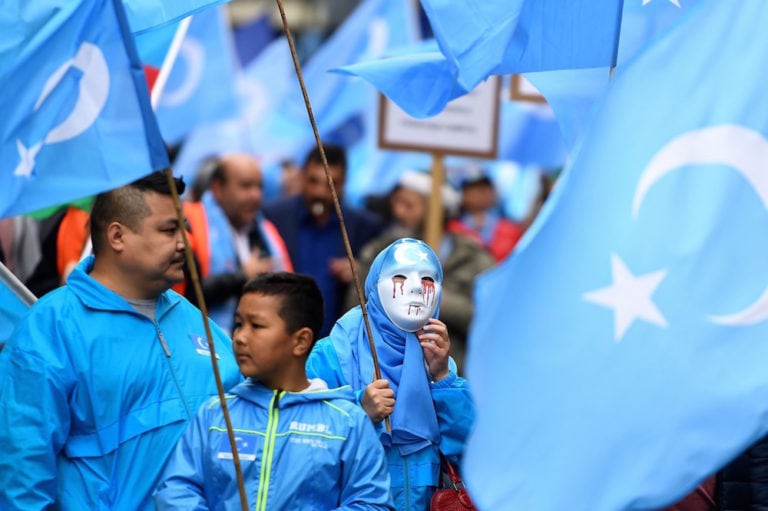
{"x":398,"y":279}
{"x":428,"y":288}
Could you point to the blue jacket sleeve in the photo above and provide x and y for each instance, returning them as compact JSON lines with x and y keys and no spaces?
{"x":365,"y":484}
{"x":323,"y":363}
{"x":182,"y":485}
{"x":455,"y":413}
{"x":35,"y":382}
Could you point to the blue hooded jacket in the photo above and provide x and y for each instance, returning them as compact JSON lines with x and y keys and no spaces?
{"x":312,"y":450}
{"x":94,"y":396}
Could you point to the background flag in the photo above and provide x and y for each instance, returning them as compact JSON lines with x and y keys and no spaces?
{"x":75,"y":110}
{"x":201,"y":85}
{"x":617,"y":358}
{"x":572,"y":93}
{"x":149,"y":14}
{"x":478,"y":39}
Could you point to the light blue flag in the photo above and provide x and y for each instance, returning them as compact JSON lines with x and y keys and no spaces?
{"x":529,"y":135}
{"x":371,"y":30}
{"x":481,"y":38}
{"x":274,"y":124}
{"x":478,"y":39}
{"x":75,"y":109}
{"x":201,"y":85}
{"x":617,"y":358}
{"x":149,"y":14}
{"x":260,"y":88}
{"x":573,"y":93}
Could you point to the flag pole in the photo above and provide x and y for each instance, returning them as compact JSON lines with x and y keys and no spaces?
{"x":168,"y":62}
{"x":157,"y":89}
{"x":195,"y":278}
{"x":433,"y":230}
{"x":336,"y":204}
{"x":14,"y":284}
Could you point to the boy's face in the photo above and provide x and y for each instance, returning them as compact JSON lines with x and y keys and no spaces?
{"x":262,"y":344}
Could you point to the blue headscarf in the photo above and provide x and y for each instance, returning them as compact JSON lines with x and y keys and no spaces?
{"x":401,"y":359}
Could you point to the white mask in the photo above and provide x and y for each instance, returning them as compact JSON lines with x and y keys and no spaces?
{"x":409,"y":286}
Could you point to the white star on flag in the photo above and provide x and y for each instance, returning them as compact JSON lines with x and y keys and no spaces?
{"x":27,"y":163}
{"x":629,"y":296}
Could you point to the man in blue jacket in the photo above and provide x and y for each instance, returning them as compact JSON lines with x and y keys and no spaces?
{"x":301,"y":445}
{"x":101,"y":377}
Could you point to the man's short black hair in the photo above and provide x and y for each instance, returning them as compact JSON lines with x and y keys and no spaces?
{"x":336,"y":156}
{"x":302,"y":301}
{"x":127,"y":205}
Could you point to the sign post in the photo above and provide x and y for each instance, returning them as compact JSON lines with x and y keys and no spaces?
{"x":468,"y":126}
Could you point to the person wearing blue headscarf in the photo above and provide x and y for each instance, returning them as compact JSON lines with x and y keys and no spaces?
{"x":429,"y":406}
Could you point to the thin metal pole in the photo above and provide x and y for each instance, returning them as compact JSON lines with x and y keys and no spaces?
{"x":15,"y":285}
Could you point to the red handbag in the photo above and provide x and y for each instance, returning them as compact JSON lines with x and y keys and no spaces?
{"x":450,"y":496}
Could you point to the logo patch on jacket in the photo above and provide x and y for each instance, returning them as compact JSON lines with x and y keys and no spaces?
{"x":245,"y":443}
{"x":201,"y":345}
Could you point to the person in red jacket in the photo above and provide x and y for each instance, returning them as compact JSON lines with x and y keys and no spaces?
{"x":481,"y":218}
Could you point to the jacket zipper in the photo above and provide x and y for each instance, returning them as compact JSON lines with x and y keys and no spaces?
{"x":269,"y":450}
{"x":167,"y":351}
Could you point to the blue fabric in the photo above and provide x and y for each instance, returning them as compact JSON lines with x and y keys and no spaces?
{"x":75,"y":109}
{"x":201,"y":84}
{"x":573,"y":93}
{"x":324,"y":455}
{"x":621,"y":367}
{"x":223,"y":252}
{"x":149,"y":14}
{"x":223,"y":255}
{"x":414,"y":476}
{"x":274,"y":121}
{"x":91,"y":404}
{"x":478,"y":39}
{"x":401,"y":360}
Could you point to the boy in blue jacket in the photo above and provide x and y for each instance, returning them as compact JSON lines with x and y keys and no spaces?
{"x":300,"y":444}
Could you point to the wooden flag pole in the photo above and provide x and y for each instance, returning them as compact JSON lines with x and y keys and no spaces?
{"x":337,"y":206}
{"x":195,"y":280}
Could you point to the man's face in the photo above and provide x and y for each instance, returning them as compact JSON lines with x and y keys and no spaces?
{"x":317,"y":195}
{"x":240,"y":194}
{"x":154,"y":252}
{"x":409,"y":208}
{"x":409,"y":287}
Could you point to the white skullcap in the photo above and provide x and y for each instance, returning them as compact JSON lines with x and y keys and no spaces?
{"x":421,"y":182}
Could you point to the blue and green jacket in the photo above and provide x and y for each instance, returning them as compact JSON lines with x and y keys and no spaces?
{"x":94,"y":396}
{"x":313,"y":450}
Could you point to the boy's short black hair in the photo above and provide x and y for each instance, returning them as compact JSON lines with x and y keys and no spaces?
{"x":302,"y":301}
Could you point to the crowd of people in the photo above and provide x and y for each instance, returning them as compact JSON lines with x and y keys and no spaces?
{"x":107,"y":395}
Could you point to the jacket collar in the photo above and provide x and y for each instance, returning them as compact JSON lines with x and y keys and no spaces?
{"x":258,"y":394}
{"x":95,"y":295}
